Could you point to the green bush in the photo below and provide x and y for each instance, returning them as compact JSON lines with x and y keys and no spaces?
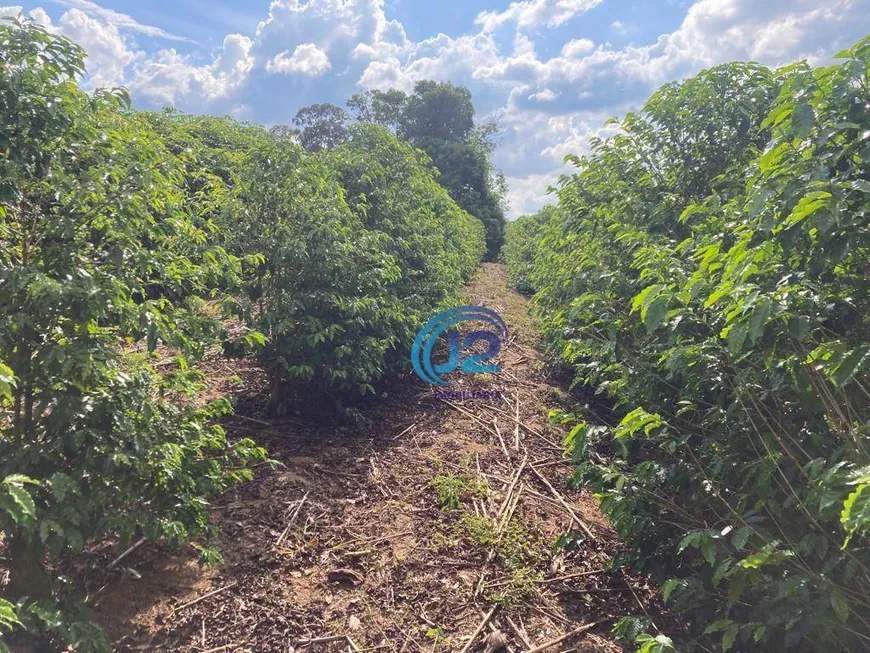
{"x":99,"y":263}
{"x":707,"y":270}
{"x":521,"y":248}
{"x":358,"y":247}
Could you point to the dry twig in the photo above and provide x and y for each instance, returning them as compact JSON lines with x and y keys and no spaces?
{"x":500,"y":439}
{"x":130,"y":550}
{"x":564,"y":503}
{"x":480,"y":628}
{"x":559,"y":640}
{"x":204,"y":597}
{"x":292,"y":520}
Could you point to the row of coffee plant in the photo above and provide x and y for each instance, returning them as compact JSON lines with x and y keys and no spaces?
{"x":127,"y":238}
{"x":706,"y":272}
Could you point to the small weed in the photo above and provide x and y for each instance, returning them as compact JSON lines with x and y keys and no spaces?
{"x":521,"y":586}
{"x":517,"y":547}
{"x":451,"y":489}
{"x":437,"y":634}
{"x":481,"y":530}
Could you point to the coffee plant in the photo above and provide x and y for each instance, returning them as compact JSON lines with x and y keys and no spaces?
{"x":128,"y":238}
{"x":706,"y":271}
{"x":359,"y":246}
{"x":99,"y":263}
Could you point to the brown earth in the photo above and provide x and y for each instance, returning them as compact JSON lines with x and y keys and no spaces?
{"x":347,"y":538}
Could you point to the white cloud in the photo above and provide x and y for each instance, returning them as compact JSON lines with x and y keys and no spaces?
{"x":108,"y":54}
{"x":169,"y":77}
{"x":528,"y":193}
{"x":577,"y":47}
{"x":609,"y":81}
{"x":441,"y":58}
{"x":118,"y":19}
{"x":307,"y":59}
{"x":534,"y":13}
{"x":547,"y":95}
{"x":39,"y":16}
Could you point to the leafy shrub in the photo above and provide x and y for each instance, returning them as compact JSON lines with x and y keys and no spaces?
{"x":521,"y":248}
{"x":123,"y":231}
{"x":707,"y":271}
{"x":359,"y":246}
{"x":392,"y":188}
{"x":93,"y":441}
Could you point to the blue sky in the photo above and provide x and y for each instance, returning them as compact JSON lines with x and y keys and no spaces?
{"x":551,"y":71}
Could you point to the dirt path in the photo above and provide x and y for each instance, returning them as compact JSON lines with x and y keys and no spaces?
{"x":397,"y":537}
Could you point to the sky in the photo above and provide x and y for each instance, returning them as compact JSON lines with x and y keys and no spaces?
{"x":550,"y":71}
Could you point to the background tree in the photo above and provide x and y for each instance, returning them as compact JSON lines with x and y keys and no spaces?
{"x":386,"y":108}
{"x":322,"y":126}
{"x":439,"y":119}
{"x":285,"y":131}
{"x":438,"y":111}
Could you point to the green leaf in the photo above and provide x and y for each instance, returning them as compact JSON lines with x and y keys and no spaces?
{"x":855,"y":516}
{"x":766,"y":556}
{"x":741,"y":537}
{"x":654,"y":313}
{"x":8,"y":616}
{"x":807,"y":206}
{"x":737,"y":338}
{"x":840,"y":606}
{"x":729,"y":637}
{"x":669,"y":586}
{"x":851,"y":364}
{"x":799,"y":326}
{"x":802,"y":120}
{"x":759,"y":317}
{"x":7,"y":382}
{"x":16,"y":500}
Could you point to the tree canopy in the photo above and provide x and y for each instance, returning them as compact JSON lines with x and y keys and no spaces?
{"x":438,"y":118}
{"x":321,"y":126}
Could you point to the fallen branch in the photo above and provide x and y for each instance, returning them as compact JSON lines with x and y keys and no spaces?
{"x":407,"y":429}
{"x":519,"y":633}
{"x":500,"y":439}
{"x":292,"y":520}
{"x":570,"y":576}
{"x":637,"y":599}
{"x":492,"y":638}
{"x":559,"y":640}
{"x":225,"y":647}
{"x":471,"y":415}
{"x":130,"y":550}
{"x":511,"y":487}
{"x":510,"y":511}
{"x":563,"y":502}
{"x":480,"y":628}
{"x":205,"y":596}
{"x":504,"y":515}
{"x":370,"y":541}
{"x":321,"y":640}
{"x":517,"y":425}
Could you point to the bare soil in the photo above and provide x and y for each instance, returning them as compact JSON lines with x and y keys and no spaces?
{"x":348,"y":543}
